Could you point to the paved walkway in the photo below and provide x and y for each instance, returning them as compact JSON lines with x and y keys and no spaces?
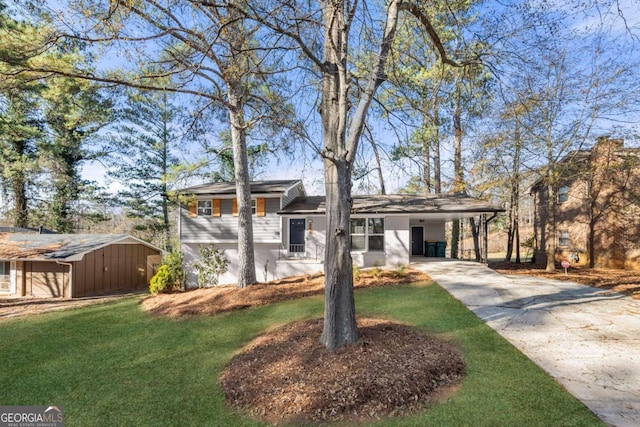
{"x":587,"y":339}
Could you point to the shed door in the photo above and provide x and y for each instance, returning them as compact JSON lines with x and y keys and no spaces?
{"x":417,"y":239}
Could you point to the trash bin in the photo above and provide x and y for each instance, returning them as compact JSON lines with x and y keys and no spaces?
{"x":430,"y":249}
{"x":441,"y":248}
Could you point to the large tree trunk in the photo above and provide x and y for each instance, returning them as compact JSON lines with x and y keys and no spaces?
{"x":340,"y":327}
{"x":455,"y":238}
{"x":475,"y":233}
{"x":339,"y":148}
{"x":21,"y":213}
{"x":165,"y":172}
{"x":15,"y":174}
{"x":517,"y":238}
{"x":515,"y":189}
{"x":426,"y":155}
{"x":458,"y":172}
{"x":592,"y":241}
{"x":510,"y":236}
{"x":65,"y":182}
{"x":435,"y":148}
{"x":246,"y":257}
{"x":551,"y":228}
{"x":339,"y":307}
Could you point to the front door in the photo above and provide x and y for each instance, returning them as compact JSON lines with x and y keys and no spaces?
{"x":296,"y":236}
{"x":417,"y":241}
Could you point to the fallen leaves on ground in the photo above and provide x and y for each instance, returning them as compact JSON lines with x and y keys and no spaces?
{"x":288,"y":376}
{"x":623,"y":281}
{"x":222,"y":299}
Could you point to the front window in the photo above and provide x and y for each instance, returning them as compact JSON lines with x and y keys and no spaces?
{"x":358,"y":234}
{"x":563,"y":238}
{"x":376,"y":234}
{"x":253,"y":206}
{"x":367,"y":234}
{"x":563,"y":194}
{"x":204,"y":207}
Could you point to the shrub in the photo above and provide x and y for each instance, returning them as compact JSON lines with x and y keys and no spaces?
{"x":162,"y":281}
{"x":211,"y":265}
{"x":174,"y":260}
{"x":170,"y":275}
{"x":401,"y":269}
{"x":357,"y":274}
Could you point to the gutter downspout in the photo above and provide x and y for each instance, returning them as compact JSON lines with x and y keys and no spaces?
{"x":485,"y":236}
{"x":70,"y":276}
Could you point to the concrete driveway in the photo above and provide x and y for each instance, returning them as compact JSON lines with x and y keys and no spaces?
{"x":585,"y":338}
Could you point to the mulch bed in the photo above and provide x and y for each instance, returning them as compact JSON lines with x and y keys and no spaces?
{"x":222,"y":299}
{"x":288,"y":376}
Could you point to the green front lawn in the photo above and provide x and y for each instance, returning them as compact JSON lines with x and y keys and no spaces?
{"x":114,"y":365}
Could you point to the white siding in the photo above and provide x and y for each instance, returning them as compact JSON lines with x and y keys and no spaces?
{"x":266,"y":255}
{"x":397,"y":240}
{"x":433,"y":229}
{"x":293,"y":267}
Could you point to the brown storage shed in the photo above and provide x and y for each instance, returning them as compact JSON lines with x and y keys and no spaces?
{"x":76,"y":265}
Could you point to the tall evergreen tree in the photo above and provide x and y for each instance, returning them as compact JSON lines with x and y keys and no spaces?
{"x":74,"y":111}
{"x":20,"y":122}
{"x":20,"y":129}
{"x":142,"y":158}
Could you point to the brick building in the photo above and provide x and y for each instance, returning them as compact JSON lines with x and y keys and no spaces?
{"x":596,"y":207}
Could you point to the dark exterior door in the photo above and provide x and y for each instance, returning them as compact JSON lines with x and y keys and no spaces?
{"x":296,"y":235}
{"x":417,"y":241}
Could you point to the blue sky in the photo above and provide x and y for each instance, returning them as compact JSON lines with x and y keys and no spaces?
{"x":307,"y":165}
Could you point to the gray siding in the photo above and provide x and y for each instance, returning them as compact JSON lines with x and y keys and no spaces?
{"x":225,"y":227}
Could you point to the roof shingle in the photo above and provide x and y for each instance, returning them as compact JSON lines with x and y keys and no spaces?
{"x":396,"y":203}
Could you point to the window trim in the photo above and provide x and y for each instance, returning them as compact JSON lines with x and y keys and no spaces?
{"x":371,"y":234}
{"x":352,"y":235}
{"x":367,"y":234}
{"x":563,"y":194}
{"x":203,"y":211}
{"x":564,"y":236}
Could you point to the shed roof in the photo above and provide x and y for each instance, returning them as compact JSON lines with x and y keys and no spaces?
{"x":257,"y":187}
{"x":398,"y":204}
{"x":58,"y":247}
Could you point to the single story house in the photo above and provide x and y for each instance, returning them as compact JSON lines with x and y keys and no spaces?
{"x":74,"y":265}
{"x":289,"y":227}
